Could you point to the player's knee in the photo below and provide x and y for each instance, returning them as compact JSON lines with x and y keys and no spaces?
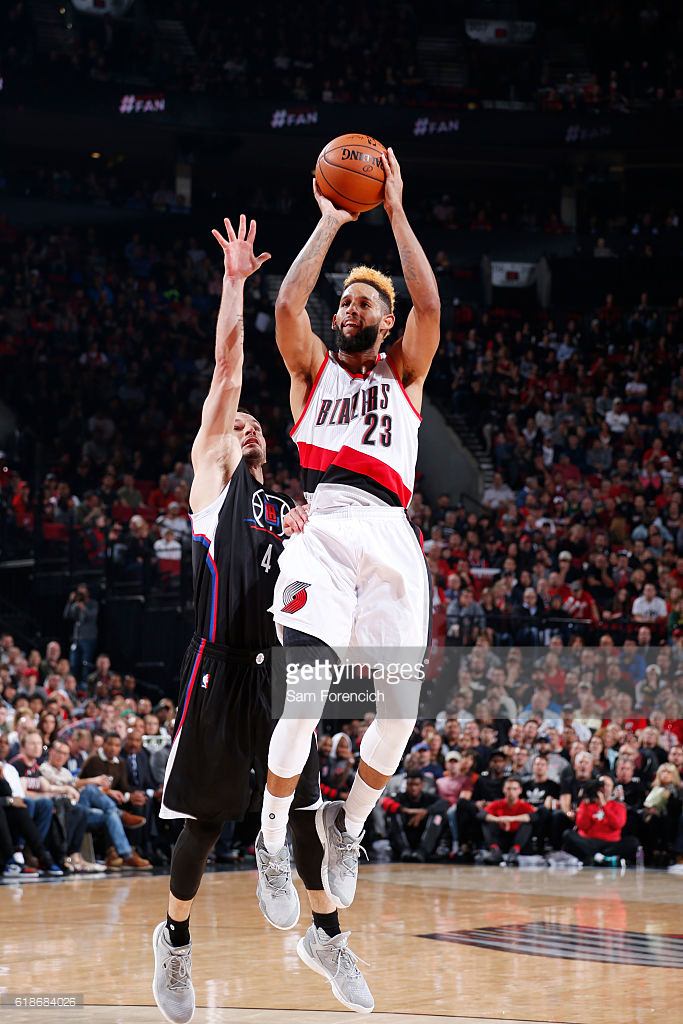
{"x":189,"y":856}
{"x":203,"y":833}
{"x":290,"y":746}
{"x":383,"y":744}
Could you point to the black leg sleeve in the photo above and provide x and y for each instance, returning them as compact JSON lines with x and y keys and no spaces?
{"x":189,"y":856}
{"x":308,"y":852}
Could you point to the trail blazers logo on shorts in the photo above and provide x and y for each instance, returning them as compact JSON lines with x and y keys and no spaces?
{"x":295,"y":597}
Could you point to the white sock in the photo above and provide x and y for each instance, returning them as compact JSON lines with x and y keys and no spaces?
{"x":274,"y":818}
{"x":359,"y":803}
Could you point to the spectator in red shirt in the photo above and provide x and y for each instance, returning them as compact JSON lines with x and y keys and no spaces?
{"x":599,"y":825}
{"x":581,"y":604}
{"x":507,"y":825}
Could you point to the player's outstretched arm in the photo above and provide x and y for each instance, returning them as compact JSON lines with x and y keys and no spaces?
{"x":414,"y":352}
{"x":302,"y":350}
{"x":215,"y":452}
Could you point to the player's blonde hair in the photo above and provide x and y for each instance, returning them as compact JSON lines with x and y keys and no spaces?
{"x":378,"y":280}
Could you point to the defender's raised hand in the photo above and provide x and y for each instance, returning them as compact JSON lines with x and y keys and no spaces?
{"x":238,"y":249}
{"x":393,"y":185}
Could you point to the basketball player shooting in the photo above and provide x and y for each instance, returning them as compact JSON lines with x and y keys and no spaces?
{"x":355,"y":574}
{"x":224,"y":719}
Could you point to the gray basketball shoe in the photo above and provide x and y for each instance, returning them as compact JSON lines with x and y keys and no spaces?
{"x":332,"y":958}
{"x":172,"y":985}
{"x":341,"y":853}
{"x":275,"y":890}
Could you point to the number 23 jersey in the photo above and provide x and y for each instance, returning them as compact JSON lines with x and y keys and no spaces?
{"x":358,"y":431}
{"x":236,"y":543}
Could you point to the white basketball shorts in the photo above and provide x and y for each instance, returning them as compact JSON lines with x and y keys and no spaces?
{"x":355,"y":577}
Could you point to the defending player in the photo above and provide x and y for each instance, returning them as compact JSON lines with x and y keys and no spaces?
{"x":224,"y":715}
{"x":356,"y":574}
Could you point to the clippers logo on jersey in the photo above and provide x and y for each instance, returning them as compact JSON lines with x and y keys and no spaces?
{"x":206,"y":678}
{"x":295,"y":597}
{"x":268,"y":511}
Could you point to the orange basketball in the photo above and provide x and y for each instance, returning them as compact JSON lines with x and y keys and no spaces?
{"x":349,"y":172}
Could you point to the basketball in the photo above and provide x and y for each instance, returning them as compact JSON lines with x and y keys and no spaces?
{"x":349,"y":172}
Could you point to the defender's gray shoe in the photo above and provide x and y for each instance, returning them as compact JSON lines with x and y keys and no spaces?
{"x":341,"y":852}
{"x":172,"y":985}
{"x":333,"y":959}
{"x":276,"y":892}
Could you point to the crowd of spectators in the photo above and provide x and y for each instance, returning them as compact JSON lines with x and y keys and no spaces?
{"x":590,"y":781}
{"x":633,"y":51}
{"x":553,"y":763}
{"x":648,"y":233}
{"x":578,"y":542}
{"x":79,"y":754}
{"x":582,"y":415}
{"x":125,"y":330}
{"x":99,"y":183}
{"x":458,"y":212}
{"x":559,"y":786}
{"x":584,"y":423}
{"x":302,"y":54}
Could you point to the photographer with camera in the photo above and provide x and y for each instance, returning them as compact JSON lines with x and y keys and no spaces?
{"x":599,"y":825}
{"x":82,"y":610}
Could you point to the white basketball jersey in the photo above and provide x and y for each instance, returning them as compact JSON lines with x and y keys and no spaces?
{"x":359,"y":431}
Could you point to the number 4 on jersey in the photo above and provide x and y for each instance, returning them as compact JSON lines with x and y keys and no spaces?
{"x":265,"y":561}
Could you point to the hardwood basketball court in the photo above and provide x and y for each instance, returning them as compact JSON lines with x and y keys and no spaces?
{"x":444,"y":944}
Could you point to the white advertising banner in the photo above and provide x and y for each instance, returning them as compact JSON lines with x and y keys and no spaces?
{"x":513,"y":274}
{"x":500,"y":33}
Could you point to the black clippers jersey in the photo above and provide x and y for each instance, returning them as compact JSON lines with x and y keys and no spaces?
{"x":236,"y":543}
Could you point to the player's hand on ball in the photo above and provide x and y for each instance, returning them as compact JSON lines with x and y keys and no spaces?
{"x":238,"y":249}
{"x":295,"y":520}
{"x":393,"y":184}
{"x":328,"y":209}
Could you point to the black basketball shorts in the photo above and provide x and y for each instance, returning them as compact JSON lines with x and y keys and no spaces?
{"x":219,"y":756}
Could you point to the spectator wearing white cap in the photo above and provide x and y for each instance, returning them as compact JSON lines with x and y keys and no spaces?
{"x":564,"y":562}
